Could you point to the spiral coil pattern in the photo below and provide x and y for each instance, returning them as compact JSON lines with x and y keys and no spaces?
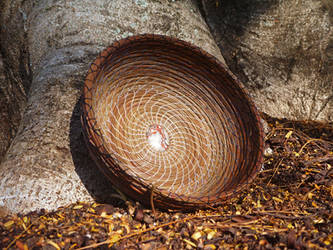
{"x":160,"y":114}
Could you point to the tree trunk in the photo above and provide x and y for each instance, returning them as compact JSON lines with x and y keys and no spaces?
{"x":15,"y":77}
{"x":47,"y":164}
{"x":281,"y":50}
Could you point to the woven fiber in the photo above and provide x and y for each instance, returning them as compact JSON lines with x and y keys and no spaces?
{"x":164,"y":119}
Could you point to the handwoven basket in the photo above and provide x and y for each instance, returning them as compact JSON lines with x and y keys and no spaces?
{"x":165,"y":120}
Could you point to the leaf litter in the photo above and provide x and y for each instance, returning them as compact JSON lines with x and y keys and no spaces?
{"x":289,"y":205}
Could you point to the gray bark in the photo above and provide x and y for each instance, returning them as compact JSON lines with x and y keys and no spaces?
{"x":281,"y":50}
{"x":47,"y":164}
{"x":15,"y":78}
{"x":6,"y":126}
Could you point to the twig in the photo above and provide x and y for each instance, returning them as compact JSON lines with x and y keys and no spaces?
{"x":276,"y":168}
{"x":228,"y":225}
{"x":281,"y":212}
{"x":284,"y":216}
{"x":319,"y":159}
{"x":152,"y":201}
{"x":137,"y":233}
{"x":269,"y":135}
{"x":309,"y":141}
{"x":17,"y":237}
{"x":306,"y":195}
{"x":119,"y":196}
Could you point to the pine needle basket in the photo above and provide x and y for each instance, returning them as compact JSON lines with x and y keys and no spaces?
{"x":166,"y":121}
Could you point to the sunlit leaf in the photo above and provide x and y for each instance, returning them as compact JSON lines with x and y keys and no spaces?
{"x":288,"y":134}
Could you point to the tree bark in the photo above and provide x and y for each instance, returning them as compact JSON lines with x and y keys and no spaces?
{"x":281,"y":50}
{"x":15,"y":77}
{"x":47,"y":164}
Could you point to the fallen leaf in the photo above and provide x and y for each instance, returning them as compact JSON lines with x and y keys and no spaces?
{"x":78,"y":207}
{"x":196,"y":235}
{"x":190,"y":243}
{"x":277,"y":199}
{"x":55,"y":245}
{"x":20,"y":245}
{"x":8,"y":224}
{"x":288,"y":134}
{"x":209,"y":247}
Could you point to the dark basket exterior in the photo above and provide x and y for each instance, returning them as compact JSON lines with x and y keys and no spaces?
{"x":247,"y":152}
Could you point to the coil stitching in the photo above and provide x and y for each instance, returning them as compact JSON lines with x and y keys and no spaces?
{"x":161,"y":115}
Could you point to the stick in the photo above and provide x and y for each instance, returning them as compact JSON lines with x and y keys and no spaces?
{"x":152,"y":201}
{"x":137,"y":233}
{"x":17,"y":237}
{"x":276,"y":168}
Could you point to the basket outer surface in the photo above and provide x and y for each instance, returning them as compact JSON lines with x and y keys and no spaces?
{"x":208,"y":132}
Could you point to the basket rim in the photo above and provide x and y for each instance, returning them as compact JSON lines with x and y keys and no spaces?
{"x":184,"y":199}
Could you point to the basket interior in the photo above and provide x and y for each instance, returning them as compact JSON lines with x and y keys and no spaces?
{"x":173,"y":118}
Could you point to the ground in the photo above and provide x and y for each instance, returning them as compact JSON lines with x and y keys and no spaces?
{"x":289,"y":205}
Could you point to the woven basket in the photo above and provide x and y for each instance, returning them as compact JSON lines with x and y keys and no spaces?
{"x":165,"y":120}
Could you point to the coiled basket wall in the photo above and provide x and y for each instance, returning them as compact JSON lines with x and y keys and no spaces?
{"x":164,"y":119}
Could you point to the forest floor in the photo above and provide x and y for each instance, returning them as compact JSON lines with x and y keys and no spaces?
{"x":289,"y":205}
